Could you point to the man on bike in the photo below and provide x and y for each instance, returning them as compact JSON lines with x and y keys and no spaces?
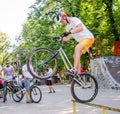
{"x":8,"y":72}
{"x":80,"y":33}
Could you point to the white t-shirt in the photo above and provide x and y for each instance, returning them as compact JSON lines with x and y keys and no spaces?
{"x":50,"y":72}
{"x":26,"y":72}
{"x":8,"y":72}
{"x":85,"y":33}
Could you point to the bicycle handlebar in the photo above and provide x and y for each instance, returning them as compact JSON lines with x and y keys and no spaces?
{"x":6,"y":80}
{"x":56,"y":38}
{"x":60,"y":38}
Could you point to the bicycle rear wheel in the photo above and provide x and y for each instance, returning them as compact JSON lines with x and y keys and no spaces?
{"x":35,"y":94}
{"x":17,"y":94}
{"x":5,"y":94}
{"x":86,"y":90}
{"x":38,"y":60}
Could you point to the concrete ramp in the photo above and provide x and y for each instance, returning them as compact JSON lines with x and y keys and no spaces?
{"x":107,"y":71}
{"x":113,"y":66}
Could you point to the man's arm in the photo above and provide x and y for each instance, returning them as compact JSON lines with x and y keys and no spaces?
{"x":77,"y":29}
{"x":23,"y":73}
{"x":13,"y":72}
{"x":67,"y":38}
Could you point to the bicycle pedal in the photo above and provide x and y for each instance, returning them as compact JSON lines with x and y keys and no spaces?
{"x":71,"y":74}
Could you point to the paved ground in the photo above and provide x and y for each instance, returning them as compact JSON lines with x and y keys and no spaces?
{"x":60,"y":103}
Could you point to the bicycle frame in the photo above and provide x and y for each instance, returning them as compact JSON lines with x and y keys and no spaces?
{"x":66,"y":62}
{"x":31,"y":84}
{"x":63,"y":56}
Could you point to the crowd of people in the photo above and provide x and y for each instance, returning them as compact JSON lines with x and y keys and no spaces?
{"x":8,"y":73}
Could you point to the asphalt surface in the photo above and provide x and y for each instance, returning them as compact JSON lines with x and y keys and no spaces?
{"x":60,"y":102}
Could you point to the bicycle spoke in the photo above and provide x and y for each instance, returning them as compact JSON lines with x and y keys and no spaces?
{"x":35,"y":94}
{"x":84,"y":92}
{"x":17,"y":94}
{"x":40,"y":59}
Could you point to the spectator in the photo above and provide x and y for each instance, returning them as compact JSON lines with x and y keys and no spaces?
{"x":27,"y":79}
{"x":49,"y":80}
{"x":8,"y":73}
{"x":62,"y":77}
{"x":1,"y":82}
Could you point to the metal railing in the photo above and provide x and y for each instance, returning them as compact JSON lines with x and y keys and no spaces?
{"x":104,"y":108}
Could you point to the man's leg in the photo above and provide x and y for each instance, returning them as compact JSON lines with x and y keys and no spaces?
{"x":50,"y":89}
{"x":27,"y":96}
{"x":27,"y":86}
{"x":77,"y":55}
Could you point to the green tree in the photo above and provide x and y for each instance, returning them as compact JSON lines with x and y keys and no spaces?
{"x":100,"y":17}
{"x":4,"y":47}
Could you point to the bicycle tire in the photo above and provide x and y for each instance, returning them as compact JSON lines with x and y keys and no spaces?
{"x":4,"y":94}
{"x":35,"y":94}
{"x":1,"y":93}
{"x":37,"y":60}
{"x":86,"y":93}
{"x":17,"y":94}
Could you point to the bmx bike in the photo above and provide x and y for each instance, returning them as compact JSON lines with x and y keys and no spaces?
{"x":84,"y":86}
{"x":9,"y":87}
{"x":18,"y":93}
{"x":35,"y":93}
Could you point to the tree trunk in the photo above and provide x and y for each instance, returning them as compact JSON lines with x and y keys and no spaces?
{"x":109,"y":4}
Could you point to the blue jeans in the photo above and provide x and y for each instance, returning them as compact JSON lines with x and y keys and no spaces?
{"x":27,"y":83}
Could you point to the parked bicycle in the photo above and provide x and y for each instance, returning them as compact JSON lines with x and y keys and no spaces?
{"x":35,"y":92}
{"x":9,"y":87}
{"x":84,"y":87}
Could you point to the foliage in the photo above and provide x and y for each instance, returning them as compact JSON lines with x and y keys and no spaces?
{"x":4,"y":47}
{"x":100,"y":16}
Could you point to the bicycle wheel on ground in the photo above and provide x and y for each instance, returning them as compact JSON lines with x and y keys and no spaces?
{"x":38,"y":61}
{"x":5,"y":94}
{"x":35,"y":94}
{"x":1,"y":93}
{"x":17,"y":93}
{"x":85,"y":89}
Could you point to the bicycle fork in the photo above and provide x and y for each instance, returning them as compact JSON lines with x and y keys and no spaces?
{"x":79,"y":81}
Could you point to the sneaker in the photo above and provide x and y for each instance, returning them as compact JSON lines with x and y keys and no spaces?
{"x":53,"y":91}
{"x":50,"y":92}
{"x":29,"y":101}
{"x":4,"y":100}
{"x":72,"y":71}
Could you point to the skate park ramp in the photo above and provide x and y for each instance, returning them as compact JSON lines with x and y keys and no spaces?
{"x":113,"y":66}
{"x":107,"y":71}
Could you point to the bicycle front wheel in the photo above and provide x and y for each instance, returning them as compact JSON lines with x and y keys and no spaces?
{"x":38,"y":62}
{"x":35,"y":94}
{"x":17,"y":94}
{"x":84,"y":88}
